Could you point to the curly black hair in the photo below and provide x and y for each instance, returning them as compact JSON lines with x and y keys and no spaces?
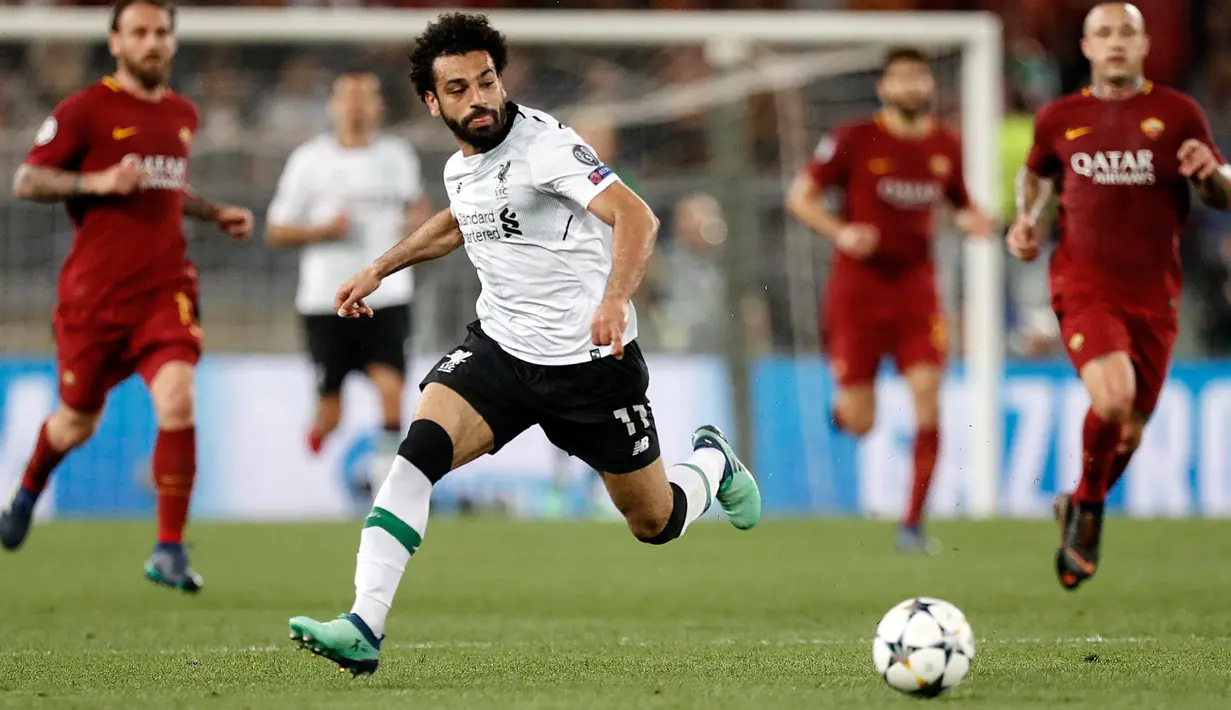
{"x":454,"y":34}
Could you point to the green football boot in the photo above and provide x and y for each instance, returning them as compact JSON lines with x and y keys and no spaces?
{"x":737,"y":492}
{"x":347,"y":641}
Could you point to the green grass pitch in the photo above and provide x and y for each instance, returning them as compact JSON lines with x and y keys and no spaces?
{"x":501,"y":614}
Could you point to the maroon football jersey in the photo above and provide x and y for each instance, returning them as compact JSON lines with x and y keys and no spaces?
{"x":122,"y":246}
{"x":1122,"y":198}
{"x":894,"y":184}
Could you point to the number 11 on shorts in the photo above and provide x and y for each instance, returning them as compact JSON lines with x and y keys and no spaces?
{"x":641,"y":410}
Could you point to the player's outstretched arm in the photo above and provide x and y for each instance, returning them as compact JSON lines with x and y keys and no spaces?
{"x":235,"y":221}
{"x":198,"y":206}
{"x":41,"y":183}
{"x":294,"y":235}
{"x":437,"y":237}
{"x":804,"y":203}
{"x":1205,"y":168}
{"x":1033,"y":195}
{"x":1202,"y":163}
{"x":969,"y":217}
{"x":635,"y":230}
{"x":1215,"y":191}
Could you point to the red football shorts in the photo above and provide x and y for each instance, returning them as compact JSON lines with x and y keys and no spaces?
{"x":1092,"y":327}
{"x":907,"y":325}
{"x":95,"y":355}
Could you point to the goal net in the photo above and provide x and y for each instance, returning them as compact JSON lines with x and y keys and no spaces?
{"x":708,"y":115}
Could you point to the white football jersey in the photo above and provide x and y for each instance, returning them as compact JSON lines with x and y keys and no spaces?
{"x":372,"y":185}
{"x":543,"y":260}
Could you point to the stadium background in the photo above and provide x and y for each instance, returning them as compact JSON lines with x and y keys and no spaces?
{"x":254,"y":396}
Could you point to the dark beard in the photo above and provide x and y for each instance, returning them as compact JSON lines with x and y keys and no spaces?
{"x":913,"y":113}
{"x":150,"y":78}
{"x":481,"y":138}
{"x":1123,"y":82}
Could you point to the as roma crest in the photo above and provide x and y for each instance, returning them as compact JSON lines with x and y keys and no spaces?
{"x":940,"y":166}
{"x":1152,"y":127}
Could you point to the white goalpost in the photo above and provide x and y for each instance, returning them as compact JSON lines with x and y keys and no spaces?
{"x":730,"y":40}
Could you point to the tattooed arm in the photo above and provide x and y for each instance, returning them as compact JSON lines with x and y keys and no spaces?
{"x":1034,"y":193}
{"x":1215,"y":191}
{"x":199,"y":207}
{"x":235,"y":221}
{"x":39,"y":183}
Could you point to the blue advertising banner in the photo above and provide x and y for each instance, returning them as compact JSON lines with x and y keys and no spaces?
{"x":1182,"y":468}
{"x":253,"y":413}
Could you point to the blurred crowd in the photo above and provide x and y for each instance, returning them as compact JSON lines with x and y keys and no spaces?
{"x":258,"y":101}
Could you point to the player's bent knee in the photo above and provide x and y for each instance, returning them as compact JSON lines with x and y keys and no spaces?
{"x":173,"y":406}
{"x":924,"y":381}
{"x":1113,"y":402}
{"x":927,"y":412}
{"x":1112,"y":385}
{"x":1130,"y":434}
{"x":856,"y":421}
{"x":428,"y":447}
{"x":1113,"y":406}
{"x":68,"y":428}
{"x":174,"y":395}
{"x":855,"y":409}
{"x":927,"y":419}
{"x":654,"y":528}
{"x":648,"y":527}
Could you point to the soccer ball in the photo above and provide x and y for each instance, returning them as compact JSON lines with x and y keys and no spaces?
{"x":923,"y":647}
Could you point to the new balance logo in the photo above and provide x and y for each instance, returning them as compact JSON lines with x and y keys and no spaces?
{"x":642,"y":446}
{"x":508,"y":220}
{"x":454,"y":359}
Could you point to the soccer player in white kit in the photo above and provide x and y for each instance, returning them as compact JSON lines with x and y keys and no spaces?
{"x":560,"y":246}
{"x":344,"y":199}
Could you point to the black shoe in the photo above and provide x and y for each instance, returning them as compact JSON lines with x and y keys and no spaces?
{"x":1081,"y":531}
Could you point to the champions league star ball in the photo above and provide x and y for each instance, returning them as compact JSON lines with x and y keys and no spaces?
{"x":923,"y":647}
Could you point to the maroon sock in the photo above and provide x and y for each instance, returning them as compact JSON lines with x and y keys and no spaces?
{"x":927,"y":446}
{"x":1118,"y":467}
{"x":42,"y":462}
{"x":1099,"y":441}
{"x":175,"y":468}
